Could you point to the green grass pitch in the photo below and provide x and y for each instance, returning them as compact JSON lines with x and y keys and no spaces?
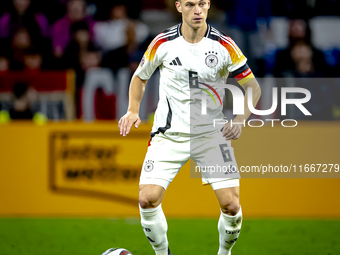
{"x":186,"y":236}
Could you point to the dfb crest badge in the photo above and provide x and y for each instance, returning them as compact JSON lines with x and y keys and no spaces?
{"x":148,"y":167}
{"x":211,"y":60}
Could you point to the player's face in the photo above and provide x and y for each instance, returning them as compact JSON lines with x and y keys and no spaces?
{"x":194,"y":12}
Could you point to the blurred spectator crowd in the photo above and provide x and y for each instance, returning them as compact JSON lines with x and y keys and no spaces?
{"x":289,"y":38}
{"x":60,"y":34}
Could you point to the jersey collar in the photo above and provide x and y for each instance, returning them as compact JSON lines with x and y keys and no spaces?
{"x":207,"y":33}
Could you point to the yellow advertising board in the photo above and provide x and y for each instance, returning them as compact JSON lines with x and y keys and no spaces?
{"x":88,"y":169}
{"x":97,"y":164}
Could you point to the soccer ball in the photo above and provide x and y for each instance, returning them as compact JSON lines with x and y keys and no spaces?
{"x":117,"y":251}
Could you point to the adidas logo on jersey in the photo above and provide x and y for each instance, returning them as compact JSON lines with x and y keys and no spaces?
{"x":176,"y":62}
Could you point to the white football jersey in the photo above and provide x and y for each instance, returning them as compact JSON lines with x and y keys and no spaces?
{"x":188,"y":73}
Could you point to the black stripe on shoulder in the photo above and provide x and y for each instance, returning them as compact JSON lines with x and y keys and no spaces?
{"x":215,"y":34}
{"x":171,"y":29}
{"x":214,"y":37}
{"x":172,"y":32}
{"x":238,"y":71}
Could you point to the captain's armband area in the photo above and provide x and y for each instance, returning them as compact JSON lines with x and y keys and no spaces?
{"x":243,"y":75}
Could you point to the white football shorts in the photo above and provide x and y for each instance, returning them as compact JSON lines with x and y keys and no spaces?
{"x":214,"y":157}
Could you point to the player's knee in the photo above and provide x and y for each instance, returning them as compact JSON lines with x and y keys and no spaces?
{"x":148,"y":199}
{"x":231,"y":207}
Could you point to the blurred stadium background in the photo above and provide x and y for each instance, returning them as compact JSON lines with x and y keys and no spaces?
{"x":69,"y":182}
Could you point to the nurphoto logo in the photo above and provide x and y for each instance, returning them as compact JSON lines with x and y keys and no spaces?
{"x":238,"y":105}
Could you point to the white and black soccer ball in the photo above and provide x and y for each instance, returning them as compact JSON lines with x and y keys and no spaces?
{"x":117,"y":251}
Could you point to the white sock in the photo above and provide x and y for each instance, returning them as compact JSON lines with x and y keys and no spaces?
{"x":229,"y":228}
{"x":155,"y":227}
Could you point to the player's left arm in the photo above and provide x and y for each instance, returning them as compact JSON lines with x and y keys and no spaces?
{"x":234,"y":131}
{"x":236,"y":63}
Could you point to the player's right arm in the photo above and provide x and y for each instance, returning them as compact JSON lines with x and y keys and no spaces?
{"x":150,"y":61}
{"x":136,"y":92}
